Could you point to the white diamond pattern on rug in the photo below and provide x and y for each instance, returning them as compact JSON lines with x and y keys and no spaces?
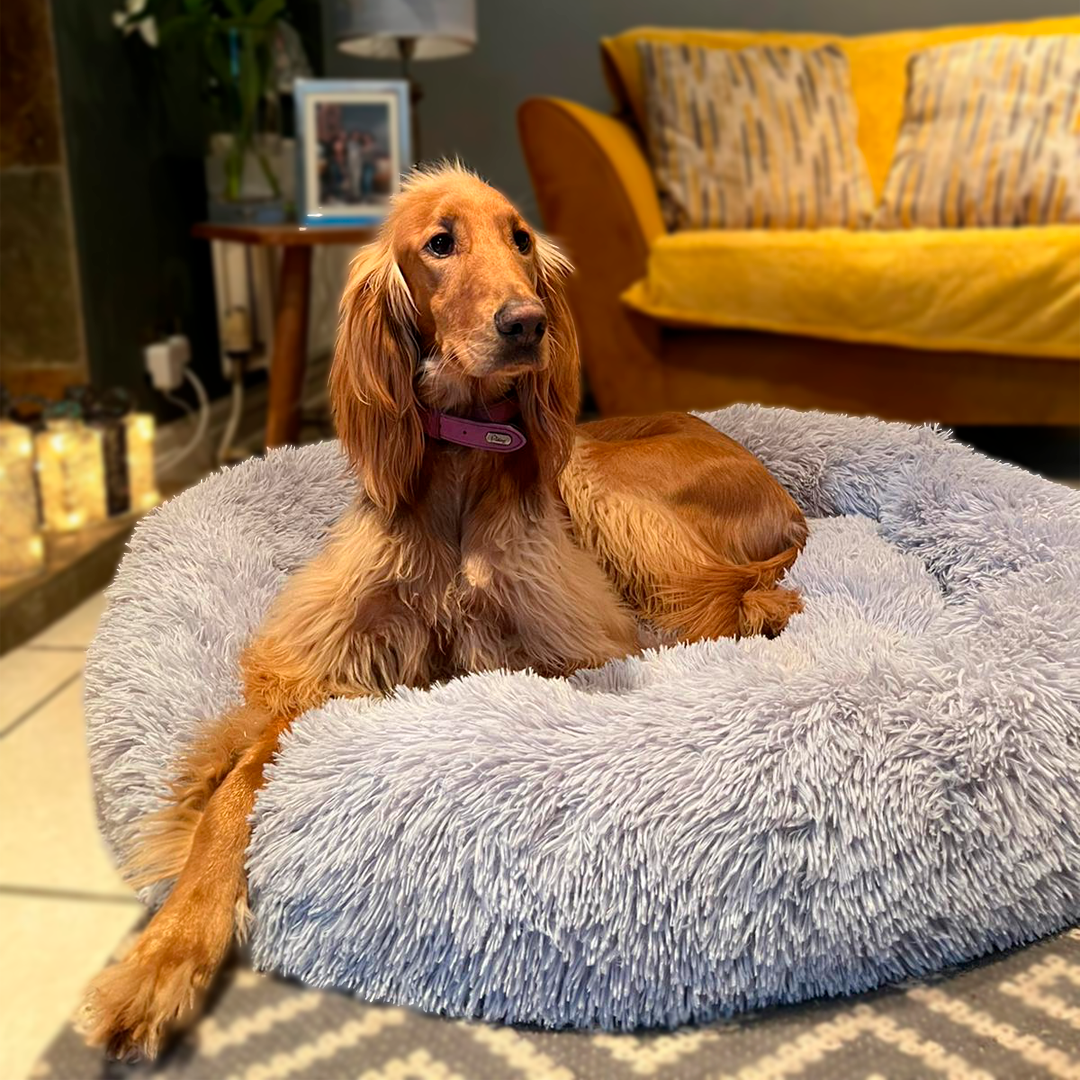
{"x":1014,"y":1017}
{"x":213,"y":1039}
{"x":1037,"y":987}
{"x":1028,"y":1046}
{"x":419,"y":1065}
{"x":648,"y":1058}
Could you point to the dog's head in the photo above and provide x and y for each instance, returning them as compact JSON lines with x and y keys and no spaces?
{"x":457,"y":303}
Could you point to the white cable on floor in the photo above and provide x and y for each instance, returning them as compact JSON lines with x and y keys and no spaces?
{"x":200,"y":428}
{"x":179,"y":402}
{"x":235,"y":413}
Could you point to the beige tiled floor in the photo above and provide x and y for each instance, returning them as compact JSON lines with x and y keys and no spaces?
{"x":63,"y":908}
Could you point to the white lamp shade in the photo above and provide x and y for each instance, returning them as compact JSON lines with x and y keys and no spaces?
{"x":439,"y":28}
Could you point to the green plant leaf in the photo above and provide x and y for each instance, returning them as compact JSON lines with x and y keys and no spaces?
{"x":265,"y":11}
{"x":217,"y":56}
{"x":251,"y":81}
{"x":178,"y":26}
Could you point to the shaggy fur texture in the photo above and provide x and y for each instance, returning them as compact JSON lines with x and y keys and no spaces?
{"x":890,"y":786}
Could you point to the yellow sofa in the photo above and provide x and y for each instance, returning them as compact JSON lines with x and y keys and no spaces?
{"x":963,"y":326}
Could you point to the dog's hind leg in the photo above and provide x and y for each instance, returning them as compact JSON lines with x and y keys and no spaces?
{"x":676,"y":546}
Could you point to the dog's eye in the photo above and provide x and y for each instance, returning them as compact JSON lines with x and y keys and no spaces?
{"x":441,"y":245}
{"x":523,"y":240}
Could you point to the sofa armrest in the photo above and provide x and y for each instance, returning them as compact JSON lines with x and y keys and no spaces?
{"x":575,"y":153}
{"x":597,"y":197}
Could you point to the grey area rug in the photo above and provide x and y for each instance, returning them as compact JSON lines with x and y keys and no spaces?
{"x":1014,"y":1017}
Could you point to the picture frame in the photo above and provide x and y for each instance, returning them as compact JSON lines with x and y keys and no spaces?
{"x":352,"y":147}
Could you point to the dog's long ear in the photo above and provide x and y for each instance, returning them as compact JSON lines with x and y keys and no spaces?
{"x":371,"y":379}
{"x":549,"y":398}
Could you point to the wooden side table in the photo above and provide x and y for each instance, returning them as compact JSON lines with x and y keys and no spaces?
{"x":291,"y":319}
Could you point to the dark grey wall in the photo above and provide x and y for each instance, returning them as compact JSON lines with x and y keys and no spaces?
{"x":530,"y":47}
{"x":134,"y":150}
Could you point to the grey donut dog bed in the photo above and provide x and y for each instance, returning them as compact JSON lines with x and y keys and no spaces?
{"x":889,"y":787}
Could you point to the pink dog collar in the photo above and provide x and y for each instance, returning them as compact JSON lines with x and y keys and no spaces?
{"x":491,"y":433}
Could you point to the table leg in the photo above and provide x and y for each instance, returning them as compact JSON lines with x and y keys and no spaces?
{"x":290,"y":347}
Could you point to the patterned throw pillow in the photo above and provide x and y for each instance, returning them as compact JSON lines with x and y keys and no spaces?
{"x":754,"y":138}
{"x":990,"y":136}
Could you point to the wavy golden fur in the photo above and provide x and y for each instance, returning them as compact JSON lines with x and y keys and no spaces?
{"x":453,"y":560}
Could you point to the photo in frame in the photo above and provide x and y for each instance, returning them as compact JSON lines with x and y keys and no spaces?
{"x":353,"y":146}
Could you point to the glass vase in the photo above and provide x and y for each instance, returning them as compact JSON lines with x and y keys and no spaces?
{"x":246,"y":169}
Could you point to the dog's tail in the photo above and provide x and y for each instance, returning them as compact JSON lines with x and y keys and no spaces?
{"x":718,"y":599}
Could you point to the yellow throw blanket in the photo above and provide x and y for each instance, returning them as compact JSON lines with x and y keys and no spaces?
{"x":1011,"y":291}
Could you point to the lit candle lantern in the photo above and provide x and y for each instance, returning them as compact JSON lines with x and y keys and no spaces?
{"x":71,"y":474}
{"x":139,"y":437}
{"x":21,"y":547}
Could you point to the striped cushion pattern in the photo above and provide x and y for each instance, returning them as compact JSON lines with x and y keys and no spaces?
{"x":763,"y":137}
{"x":990,"y":136}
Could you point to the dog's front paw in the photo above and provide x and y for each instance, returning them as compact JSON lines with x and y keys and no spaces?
{"x":130,"y":1007}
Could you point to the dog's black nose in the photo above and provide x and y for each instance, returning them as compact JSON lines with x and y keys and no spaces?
{"x":521,"y":321}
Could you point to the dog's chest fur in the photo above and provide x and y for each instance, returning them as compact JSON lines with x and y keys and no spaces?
{"x":478,"y":574}
{"x":482,"y":549}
